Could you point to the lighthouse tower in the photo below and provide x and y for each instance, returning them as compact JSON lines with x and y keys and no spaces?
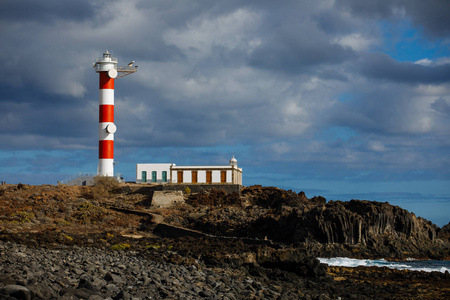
{"x":107,"y":68}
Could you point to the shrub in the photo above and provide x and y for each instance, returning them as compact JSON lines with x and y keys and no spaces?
{"x":104,"y":185}
{"x":187,"y":190}
{"x":23,"y":216}
{"x":62,"y":222}
{"x":88,"y":212}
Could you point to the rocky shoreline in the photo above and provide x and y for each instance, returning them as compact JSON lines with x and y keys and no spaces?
{"x":90,"y":267}
{"x":59,"y":242}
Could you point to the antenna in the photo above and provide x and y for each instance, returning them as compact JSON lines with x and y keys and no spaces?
{"x":124,"y":71}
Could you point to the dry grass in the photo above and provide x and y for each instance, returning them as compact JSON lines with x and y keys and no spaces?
{"x":104,"y":187}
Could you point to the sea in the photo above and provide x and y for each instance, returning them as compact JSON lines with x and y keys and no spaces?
{"x":408,"y":264}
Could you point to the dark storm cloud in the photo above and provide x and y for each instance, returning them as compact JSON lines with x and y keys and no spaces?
{"x":292,"y":55}
{"x":27,"y":111}
{"x":432,"y":14}
{"x":384,"y":110}
{"x":442,"y":106}
{"x":333,"y":22}
{"x":46,"y":11}
{"x":383,"y":67}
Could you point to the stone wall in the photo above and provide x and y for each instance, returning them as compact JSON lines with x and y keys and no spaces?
{"x":198,"y":188}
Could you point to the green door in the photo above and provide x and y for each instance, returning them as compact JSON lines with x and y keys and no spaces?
{"x":164,"y":176}
{"x":144,"y":176}
{"x":153,"y":176}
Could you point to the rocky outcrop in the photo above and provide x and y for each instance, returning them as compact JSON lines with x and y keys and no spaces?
{"x":444,"y":233}
{"x":361,"y":221}
{"x":367,"y":228}
{"x":378,"y":229}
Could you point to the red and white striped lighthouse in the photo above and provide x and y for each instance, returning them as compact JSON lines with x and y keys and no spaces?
{"x":107,"y":69}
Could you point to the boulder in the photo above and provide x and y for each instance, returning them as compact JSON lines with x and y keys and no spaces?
{"x":16,"y":291}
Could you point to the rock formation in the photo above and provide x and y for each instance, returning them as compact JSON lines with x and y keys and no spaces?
{"x":367,"y":228}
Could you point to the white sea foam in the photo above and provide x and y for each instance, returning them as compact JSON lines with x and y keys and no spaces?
{"x":413,"y":265}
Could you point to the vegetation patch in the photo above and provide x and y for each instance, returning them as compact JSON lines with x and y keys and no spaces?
{"x":153,"y":246}
{"x":23,"y":217}
{"x":104,"y":186}
{"x":88,"y":212}
{"x":122,"y":246}
{"x":69,"y":238}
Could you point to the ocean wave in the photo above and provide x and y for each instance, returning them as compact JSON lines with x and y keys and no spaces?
{"x":412,"y":265}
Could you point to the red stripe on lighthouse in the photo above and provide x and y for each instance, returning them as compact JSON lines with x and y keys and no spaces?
{"x":106,"y":149}
{"x":106,"y":113}
{"x":105,"y":81}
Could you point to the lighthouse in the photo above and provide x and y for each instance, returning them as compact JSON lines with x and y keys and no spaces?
{"x":108,"y":70}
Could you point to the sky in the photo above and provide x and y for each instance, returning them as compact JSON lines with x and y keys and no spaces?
{"x":346,"y":99}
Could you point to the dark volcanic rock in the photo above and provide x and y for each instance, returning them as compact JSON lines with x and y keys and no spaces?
{"x":15,"y":291}
{"x":380,"y":229}
{"x":444,"y":233}
{"x":272,"y":197}
{"x":292,"y":260}
{"x":214,"y":197}
{"x":356,"y":228}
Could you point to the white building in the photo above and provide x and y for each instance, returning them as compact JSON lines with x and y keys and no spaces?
{"x":153,"y":173}
{"x":171,"y":173}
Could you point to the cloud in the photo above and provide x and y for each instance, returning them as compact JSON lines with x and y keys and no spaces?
{"x":44,"y":11}
{"x":355,"y":41}
{"x":383,"y":67}
{"x":304,"y":87}
{"x":441,"y":106}
{"x":208,"y":34}
{"x":431,"y":15}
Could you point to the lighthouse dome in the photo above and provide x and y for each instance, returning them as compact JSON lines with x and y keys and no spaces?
{"x":233,"y":161}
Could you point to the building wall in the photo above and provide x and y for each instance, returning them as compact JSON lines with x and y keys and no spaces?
{"x":149,"y":168}
{"x":229,"y":176}
{"x":201,"y":176}
{"x":233,"y":175}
